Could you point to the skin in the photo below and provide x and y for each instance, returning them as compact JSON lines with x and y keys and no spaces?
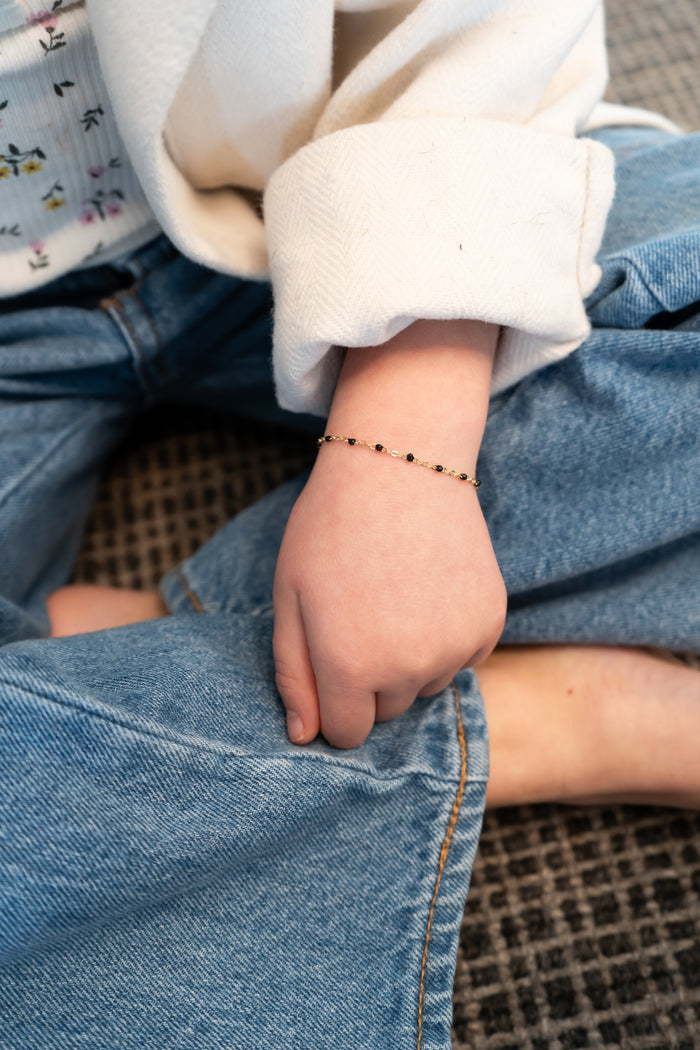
{"x":386,"y":581}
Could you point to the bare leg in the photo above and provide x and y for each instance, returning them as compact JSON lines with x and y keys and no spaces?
{"x":80,"y":608}
{"x":586,"y":724}
{"x":566,"y":723}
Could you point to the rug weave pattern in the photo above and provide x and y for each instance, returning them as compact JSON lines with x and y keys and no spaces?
{"x":654,"y":50}
{"x":582,"y":930}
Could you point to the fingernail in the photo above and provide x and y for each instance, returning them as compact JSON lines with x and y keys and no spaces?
{"x":295,"y":727}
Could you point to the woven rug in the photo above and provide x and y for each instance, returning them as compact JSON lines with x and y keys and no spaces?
{"x":582,"y":927}
{"x":654,"y":49}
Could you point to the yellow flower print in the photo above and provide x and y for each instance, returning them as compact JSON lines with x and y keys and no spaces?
{"x":55,"y":202}
{"x":4,"y":172}
{"x":31,"y":166}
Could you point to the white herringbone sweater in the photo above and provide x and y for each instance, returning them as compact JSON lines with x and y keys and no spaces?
{"x":417,"y":159}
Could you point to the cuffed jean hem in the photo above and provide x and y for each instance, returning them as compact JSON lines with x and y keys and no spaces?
{"x":232,"y":575}
{"x":170,"y":858}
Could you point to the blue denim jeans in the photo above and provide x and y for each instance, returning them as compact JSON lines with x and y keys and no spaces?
{"x":173,"y":873}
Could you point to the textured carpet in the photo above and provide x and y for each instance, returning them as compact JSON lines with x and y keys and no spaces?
{"x":582,"y":927}
{"x":654,"y":50}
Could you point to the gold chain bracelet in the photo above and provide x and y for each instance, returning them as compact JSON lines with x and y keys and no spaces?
{"x":408,"y":456}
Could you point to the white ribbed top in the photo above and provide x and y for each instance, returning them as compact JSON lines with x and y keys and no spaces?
{"x":69,"y":197}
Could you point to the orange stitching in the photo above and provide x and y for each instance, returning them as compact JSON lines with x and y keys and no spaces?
{"x":113,"y":301}
{"x":133,"y":291}
{"x":189,"y":592}
{"x":443,"y":857}
{"x":137,"y":342}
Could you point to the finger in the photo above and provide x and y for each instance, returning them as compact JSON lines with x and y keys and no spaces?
{"x":481,"y":654}
{"x":436,"y":685}
{"x":393,"y":702}
{"x":294,"y":673}
{"x":347,"y":709}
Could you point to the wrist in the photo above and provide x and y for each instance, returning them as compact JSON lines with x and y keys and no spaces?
{"x":407,"y":457}
{"x":425,"y":391}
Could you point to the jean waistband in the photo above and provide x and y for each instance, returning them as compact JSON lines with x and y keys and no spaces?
{"x":140,"y":261}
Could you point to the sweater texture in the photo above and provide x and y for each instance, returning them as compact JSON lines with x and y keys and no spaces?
{"x":411,"y":159}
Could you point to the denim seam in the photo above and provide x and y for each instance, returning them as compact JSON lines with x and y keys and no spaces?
{"x":159,"y":362}
{"x":53,"y":448}
{"x":134,"y":293}
{"x":456,"y":807}
{"x":189,"y":593}
{"x":188,"y":589}
{"x":223,"y":750}
{"x":114,"y":309}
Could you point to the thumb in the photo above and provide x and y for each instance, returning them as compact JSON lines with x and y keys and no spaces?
{"x":294,"y":673}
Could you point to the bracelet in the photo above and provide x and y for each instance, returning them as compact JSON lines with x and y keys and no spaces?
{"x":408,"y":456}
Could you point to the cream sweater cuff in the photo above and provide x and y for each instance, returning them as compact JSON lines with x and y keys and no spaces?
{"x":378,"y":225}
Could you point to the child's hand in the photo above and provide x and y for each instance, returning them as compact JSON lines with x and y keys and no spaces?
{"x":386,"y":585}
{"x":386,"y":581}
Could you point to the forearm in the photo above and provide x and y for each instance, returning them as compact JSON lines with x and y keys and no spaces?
{"x":424,"y":391}
{"x":371,"y":545}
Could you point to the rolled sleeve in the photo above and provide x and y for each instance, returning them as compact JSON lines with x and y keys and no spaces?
{"x":378,"y":225}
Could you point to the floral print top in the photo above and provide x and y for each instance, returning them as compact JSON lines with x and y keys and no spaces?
{"x":69,"y":197}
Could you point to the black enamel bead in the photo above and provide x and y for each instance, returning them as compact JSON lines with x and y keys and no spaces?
{"x":410,"y":457}
{"x":328,"y":437}
{"x":379,"y":447}
{"x":351,"y":441}
{"x":439,"y":468}
{"x":463,"y":477}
